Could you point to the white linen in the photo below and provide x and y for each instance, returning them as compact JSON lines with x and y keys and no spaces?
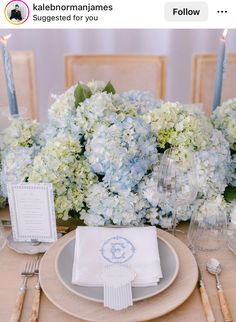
{"x":98,"y":247}
{"x":117,"y":287}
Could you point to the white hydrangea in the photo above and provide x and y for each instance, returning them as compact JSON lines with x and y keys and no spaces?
{"x":182,"y":126}
{"x":224,"y":119}
{"x":214,"y":166}
{"x":19,"y":144}
{"x":60,"y":162}
{"x":158,"y":217}
{"x":96,"y":86}
{"x":101,"y":108}
{"x":233,"y":168}
{"x":148,"y":187}
{"x":16,"y":165}
{"x":20,"y":132}
{"x":211,"y":206}
{"x":62,"y":111}
{"x":50,"y":131}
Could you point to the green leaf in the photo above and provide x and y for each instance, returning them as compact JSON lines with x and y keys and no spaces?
{"x":109,"y":88}
{"x":81,"y":92}
{"x":230,"y":194}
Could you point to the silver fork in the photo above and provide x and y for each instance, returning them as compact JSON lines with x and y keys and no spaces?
{"x":27,"y":272}
{"x":36,"y":300}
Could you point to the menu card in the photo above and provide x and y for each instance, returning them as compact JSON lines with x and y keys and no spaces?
{"x":32,"y":212}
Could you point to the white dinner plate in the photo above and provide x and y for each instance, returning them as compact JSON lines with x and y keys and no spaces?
{"x":169,"y":265}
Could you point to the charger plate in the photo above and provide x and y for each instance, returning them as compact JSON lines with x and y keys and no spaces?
{"x":148,"y":309}
{"x":169,"y":265}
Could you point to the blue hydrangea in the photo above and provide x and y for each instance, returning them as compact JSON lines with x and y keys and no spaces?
{"x":122,"y":153}
{"x":143,"y":101}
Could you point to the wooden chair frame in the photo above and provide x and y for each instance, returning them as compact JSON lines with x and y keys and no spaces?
{"x":70,"y":59}
{"x":197,"y":61}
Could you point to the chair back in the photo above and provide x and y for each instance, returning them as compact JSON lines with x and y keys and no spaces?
{"x":126,"y":72}
{"x":203,"y":79}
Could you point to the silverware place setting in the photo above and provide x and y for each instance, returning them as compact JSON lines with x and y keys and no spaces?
{"x":214,"y":267}
{"x":37,"y":293}
{"x":31,"y":269}
{"x":26,"y":273}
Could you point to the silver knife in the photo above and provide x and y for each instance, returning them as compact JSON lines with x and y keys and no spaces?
{"x":204,"y":297}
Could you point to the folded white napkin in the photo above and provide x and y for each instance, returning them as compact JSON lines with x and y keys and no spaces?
{"x":99,"y":247}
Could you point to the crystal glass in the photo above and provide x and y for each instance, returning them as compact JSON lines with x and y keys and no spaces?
{"x":207,"y":230}
{"x":2,"y":236}
{"x":231,"y":236}
{"x":177,"y":181}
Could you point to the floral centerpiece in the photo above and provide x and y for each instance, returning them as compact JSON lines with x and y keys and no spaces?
{"x":61,"y":163}
{"x":101,"y":151}
{"x":20,"y":143}
{"x":224,"y":119}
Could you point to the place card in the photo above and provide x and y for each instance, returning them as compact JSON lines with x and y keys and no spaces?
{"x":32,"y":212}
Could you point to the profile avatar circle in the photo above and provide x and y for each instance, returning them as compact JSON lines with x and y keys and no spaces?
{"x":117,"y":250}
{"x":16,"y":12}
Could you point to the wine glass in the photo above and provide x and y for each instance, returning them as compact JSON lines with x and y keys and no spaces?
{"x":177,"y":180}
{"x":231,"y":236}
{"x":207,"y":229}
{"x":2,"y":236}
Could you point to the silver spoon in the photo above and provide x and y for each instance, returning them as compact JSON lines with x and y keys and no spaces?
{"x":214,"y":267}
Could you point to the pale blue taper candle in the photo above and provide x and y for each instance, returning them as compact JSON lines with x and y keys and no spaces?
{"x":7,"y":66}
{"x":219,"y":73}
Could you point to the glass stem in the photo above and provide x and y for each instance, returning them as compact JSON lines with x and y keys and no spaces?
{"x":174,"y":221}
